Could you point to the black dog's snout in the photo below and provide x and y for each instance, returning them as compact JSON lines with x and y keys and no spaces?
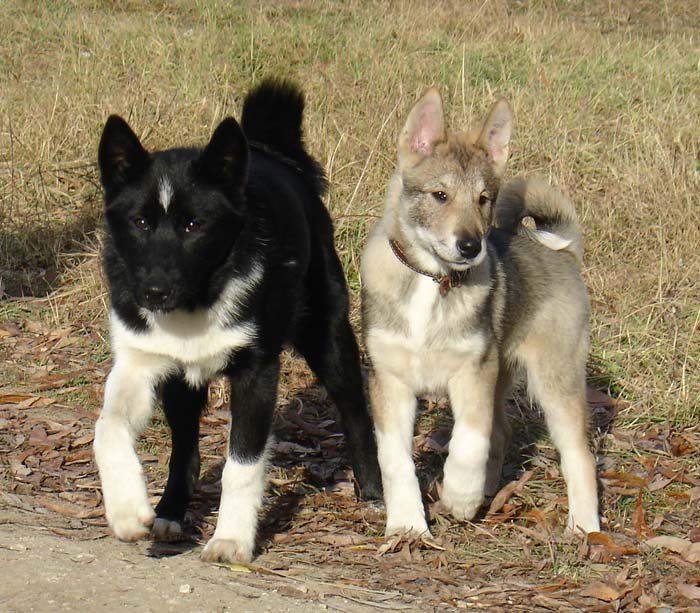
{"x":469,"y":248}
{"x":157,"y":296}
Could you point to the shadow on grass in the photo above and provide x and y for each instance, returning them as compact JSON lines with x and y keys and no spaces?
{"x":36,"y":250}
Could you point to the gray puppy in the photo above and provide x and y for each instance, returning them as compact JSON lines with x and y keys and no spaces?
{"x":459,"y":297}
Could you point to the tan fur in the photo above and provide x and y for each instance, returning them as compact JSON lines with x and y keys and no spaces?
{"x":523,"y":306}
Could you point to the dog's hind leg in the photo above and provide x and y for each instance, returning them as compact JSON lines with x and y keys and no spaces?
{"x":329,"y":347}
{"x":394,"y":408}
{"x":500,"y":435}
{"x":253,"y":401}
{"x":128,"y":405}
{"x":182,"y":405}
{"x":558,"y":385}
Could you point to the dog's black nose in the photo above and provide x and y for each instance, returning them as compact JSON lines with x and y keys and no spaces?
{"x":469,"y":248}
{"x":157,"y":295}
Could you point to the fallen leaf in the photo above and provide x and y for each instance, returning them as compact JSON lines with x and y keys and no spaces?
{"x":639,"y":522}
{"x":691,"y":592}
{"x":238,"y":568}
{"x":598,"y":398}
{"x":293,"y":592}
{"x":76,"y":512}
{"x":687,"y":550}
{"x":48,"y":382}
{"x":19,"y":470}
{"x":602,"y":548}
{"x":83,"y":440}
{"x":625,"y":478}
{"x":604,"y":591}
{"x":694,"y":535}
{"x":507,"y":492}
{"x":289,"y":448}
{"x":15,"y":398}
{"x":342,"y":540}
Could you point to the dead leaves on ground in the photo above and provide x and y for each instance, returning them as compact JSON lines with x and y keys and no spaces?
{"x":313,"y":529}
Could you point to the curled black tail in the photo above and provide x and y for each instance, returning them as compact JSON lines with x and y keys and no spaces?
{"x":272,"y":117}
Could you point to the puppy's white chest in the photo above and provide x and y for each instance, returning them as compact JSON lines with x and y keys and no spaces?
{"x":197,"y":342}
{"x":187,"y":341}
{"x":434,"y":345}
{"x":421,"y":312}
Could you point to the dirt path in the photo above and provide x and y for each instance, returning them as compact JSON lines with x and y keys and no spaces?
{"x":45,"y":572}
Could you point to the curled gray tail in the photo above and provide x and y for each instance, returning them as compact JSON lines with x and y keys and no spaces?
{"x":272,"y":117}
{"x":556,"y":223}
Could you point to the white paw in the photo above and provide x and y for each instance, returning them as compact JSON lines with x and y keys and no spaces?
{"x":227,"y":551}
{"x":166,"y":530}
{"x":461,"y":504}
{"x":582,"y":524}
{"x":410,"y":525}
{"x":131,"y":523}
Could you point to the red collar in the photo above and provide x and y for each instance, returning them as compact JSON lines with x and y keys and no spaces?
{"x":446,"y":282}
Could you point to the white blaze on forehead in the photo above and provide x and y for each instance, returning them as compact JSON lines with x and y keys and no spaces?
{"x":165,"y":192}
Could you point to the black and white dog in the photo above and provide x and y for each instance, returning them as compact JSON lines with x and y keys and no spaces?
{"x":215,"y":258}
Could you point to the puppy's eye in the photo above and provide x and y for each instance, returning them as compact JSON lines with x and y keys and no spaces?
{"x":439,"y":196}
{"x":192,"y":226}
{"x":140,"y":223}
{"x":484,"y":199}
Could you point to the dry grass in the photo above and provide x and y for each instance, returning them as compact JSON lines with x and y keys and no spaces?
{"x":606,"y":104}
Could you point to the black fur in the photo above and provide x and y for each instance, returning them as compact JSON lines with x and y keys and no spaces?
{"x":250,"y":198}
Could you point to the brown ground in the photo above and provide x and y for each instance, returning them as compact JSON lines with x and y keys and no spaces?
{"x":318,"y":544}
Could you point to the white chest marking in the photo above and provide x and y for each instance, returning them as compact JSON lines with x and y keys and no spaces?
{"x":429,"y":354}
{"x":199,"y":342}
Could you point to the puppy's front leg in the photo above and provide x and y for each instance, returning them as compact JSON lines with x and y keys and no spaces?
{"x":128,"y":404}
{"x":394,"y":409}
{"x":472,"y":392}
{"x":253,"y":399}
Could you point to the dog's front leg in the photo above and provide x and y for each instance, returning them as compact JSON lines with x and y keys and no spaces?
{"x":128,"y":404}
{"x":253,"y":399}
{"x":472,"y":392}
{"x":394,"y":409}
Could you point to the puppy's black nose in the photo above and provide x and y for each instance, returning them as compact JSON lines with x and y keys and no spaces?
{"x":469,"y":248}
{"x":157,"y":295}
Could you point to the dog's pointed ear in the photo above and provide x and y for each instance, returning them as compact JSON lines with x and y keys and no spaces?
{"x":224,"y":160}
{"x":495,"y":135}
{"x":424,"y":128}
{"x":120,"y":156}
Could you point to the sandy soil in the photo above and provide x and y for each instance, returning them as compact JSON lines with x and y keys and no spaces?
{"x":45,"y":572}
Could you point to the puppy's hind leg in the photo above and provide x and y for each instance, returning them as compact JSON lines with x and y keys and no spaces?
{"x":500,"y":435}
{"x":328,"y":345}
{"x":558,"y":384}
{"x":182,"y":405}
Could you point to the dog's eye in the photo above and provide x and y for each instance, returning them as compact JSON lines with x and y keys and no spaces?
{"x":192,"y":226}
{"x":140,"y":223}
{"x":484,"y":199}
{"x":439,"y":196}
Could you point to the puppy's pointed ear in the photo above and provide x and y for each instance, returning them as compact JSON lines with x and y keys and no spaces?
{"x":224,"y":161}
{"x":495,"y":135}
{"x":120,"y":156}
{"x":425,"y":128}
